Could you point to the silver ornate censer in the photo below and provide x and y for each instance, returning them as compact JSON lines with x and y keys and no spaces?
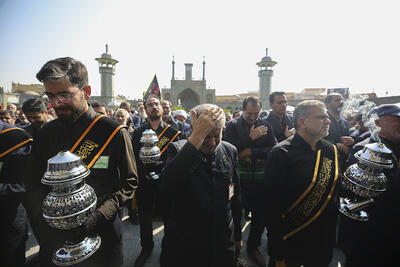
{"x":365,"y":180}
{"x":149,"y":153}
{"x":69,"y":204}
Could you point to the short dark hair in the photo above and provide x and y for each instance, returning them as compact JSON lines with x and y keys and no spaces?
{"x":329,"y":97}
{"x":64,"y":68}
{"x":10,"y":112}
{"x":95,"y":104}
{"x":34,"y":105}
{"x":303,"y":109}
{"x":272,"y":96}
{"x":253,"y":100}
{"x":125,"y":103}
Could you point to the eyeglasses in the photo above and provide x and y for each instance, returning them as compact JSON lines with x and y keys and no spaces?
{"x":63,"y":97}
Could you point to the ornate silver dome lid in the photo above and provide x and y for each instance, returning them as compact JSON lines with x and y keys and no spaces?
{"x":376,"y":155}
{"x":149,"y":137}
{"x":65,"y":167}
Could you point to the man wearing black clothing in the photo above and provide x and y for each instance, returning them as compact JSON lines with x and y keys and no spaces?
{"x":168,"y":118}
{"x":201,"y":185}
{"x":15,"y":146}
{"x":147,"y":194}
{"x":253,"y":138}
{"x":301,"y":178}
{"x":372,"y":243}
{"x":281,"y":123}
{"x":36,"y":113}
{"x":339,"y":131}
{"x":104,"y":146}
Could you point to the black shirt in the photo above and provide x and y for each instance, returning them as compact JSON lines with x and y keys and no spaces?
{"x":288,"y":172}
{"x":279,"y":126}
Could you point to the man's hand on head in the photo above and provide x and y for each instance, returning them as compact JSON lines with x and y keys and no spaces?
{"x":203,"y":124}
{"x":256,"y":133}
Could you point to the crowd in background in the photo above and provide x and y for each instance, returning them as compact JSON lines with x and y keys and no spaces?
{"x":269,"y":143}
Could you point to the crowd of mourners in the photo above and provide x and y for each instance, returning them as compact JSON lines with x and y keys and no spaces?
{"x":281,"y":172}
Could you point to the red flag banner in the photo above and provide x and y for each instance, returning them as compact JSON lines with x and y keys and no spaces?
{"x":154,"y":89}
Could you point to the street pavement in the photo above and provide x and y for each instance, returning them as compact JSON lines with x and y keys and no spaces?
{"x":132,"y":245}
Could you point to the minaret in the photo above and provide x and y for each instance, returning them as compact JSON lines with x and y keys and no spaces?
{"x":107,"y":72}
{"x":265,"y":74}
{"x":173,"y":68}
{"x":204,"y":69}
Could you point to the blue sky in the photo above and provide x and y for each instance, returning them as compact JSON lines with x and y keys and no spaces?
{"x":318,"y":44}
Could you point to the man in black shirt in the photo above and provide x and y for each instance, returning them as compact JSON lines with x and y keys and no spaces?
{"x":36,"y":113}
{"x":281,"y":123}
{"x":15,"y":146}
{"x":339,"y":131}
{"x":301,"y":177}
{"x":373,"y":243}
{"x":104,"y":146}
{"x":168,"y":118}
{"x":253,"y":138}
{"x":148,"y":194}
{"x":201,"y":185}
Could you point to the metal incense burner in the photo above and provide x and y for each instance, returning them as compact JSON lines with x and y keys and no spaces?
{"x":365,"y":180}
{"x":149,"y":153}
{"x":69,"y":204}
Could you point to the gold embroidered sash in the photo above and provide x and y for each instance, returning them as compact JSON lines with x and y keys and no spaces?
{"x":167,"y":136}
{"x":95,"y":139}
{"x":312,"y":202}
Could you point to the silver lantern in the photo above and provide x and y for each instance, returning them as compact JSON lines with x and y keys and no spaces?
{"x":69,"y":204}
{"x":365,"y":180}
{"x":149,"y":153}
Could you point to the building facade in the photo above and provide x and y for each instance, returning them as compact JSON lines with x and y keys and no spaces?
{"x":188,"y":93}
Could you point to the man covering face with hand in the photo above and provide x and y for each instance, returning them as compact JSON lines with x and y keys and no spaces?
{"x":201,"y":190}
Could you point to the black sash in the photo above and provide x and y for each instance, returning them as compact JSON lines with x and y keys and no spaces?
{"x":95,"y":139}
{"x":11,"y":139}
{"x":312,"y":202}
{"x":167,"y":136}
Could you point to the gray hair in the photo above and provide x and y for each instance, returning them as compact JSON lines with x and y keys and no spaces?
{"x":64,"y":68}
{"x":302,"y":109}
{"x":123,"y":111}
{"x":203,"y":107}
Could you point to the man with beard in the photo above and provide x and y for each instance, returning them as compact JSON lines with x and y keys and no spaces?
{"x":104,"y":146}
{"x":373,"y":243}
{"x":15,"y":146}
{"x":147,"y":194}
{"x":339,"y":131}
{"x":301,"y":177}
{"x":36,"y":113}
{"x":253,"y":138}
{"x":167,"y":116}
{"x":281,"y":123}
{"x":201,"y":186}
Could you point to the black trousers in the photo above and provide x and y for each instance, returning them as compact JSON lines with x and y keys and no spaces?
{"x":147,"y":198}
{"x":183,"y":253}
{"x":252,"y":195}
{"x":14,"y":233}
{"x":257,"y":227}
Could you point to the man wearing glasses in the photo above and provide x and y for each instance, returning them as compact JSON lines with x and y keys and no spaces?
{"x":253,"y":138}
{"x":105,"y":147}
